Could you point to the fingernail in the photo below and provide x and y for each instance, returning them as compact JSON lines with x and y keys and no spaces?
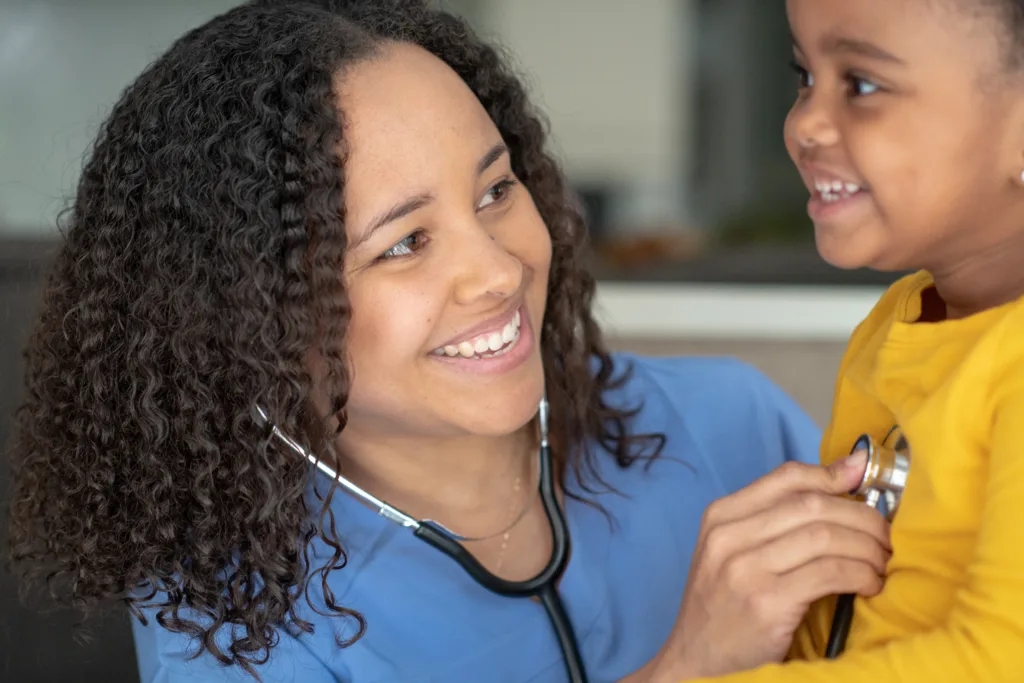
{"x":856,"y":461}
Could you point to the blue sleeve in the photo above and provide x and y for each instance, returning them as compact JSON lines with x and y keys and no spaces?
{"x":785,"y":424}
{"x":734,"y":421}
{"x":166,"y":657}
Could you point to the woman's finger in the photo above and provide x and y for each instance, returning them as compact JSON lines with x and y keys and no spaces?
{"x":838,"y":478}
{"x":827,"y":576}
{"x":815,"y":541}
{"x":721,"y":542}
{"x":793,"y":512}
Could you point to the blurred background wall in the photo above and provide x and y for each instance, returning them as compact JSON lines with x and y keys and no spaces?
{"x":666,"y":114}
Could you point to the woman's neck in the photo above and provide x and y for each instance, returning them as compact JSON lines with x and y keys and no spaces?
{"x":473,"y":485}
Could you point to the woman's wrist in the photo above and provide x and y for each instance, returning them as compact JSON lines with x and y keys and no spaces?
{"x":674,"y":670}
{"x":666,"y":667}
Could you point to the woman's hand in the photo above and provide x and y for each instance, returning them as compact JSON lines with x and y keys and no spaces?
{"x":764,"y":554}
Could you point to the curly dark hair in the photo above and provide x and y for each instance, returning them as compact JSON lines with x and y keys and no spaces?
{"x":199,"y":267}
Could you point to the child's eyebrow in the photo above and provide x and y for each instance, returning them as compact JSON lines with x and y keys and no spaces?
{"x":863,"y":48}
{"x":837,"y":44}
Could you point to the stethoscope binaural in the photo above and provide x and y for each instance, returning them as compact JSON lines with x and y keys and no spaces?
{"x":542,"y":586}
{"x":881,"y":487}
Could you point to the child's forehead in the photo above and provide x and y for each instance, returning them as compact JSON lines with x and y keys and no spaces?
{"x":876,"y":17}
{"x":907,"y":29}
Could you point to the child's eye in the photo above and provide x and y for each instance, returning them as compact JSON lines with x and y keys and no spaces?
{"x":861,"y":87}
{"x":805,"y":79}
{"x":406,"y":246}
{"x":497,"y":193}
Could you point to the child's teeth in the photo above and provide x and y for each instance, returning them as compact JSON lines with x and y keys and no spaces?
{"x":834,"y":190}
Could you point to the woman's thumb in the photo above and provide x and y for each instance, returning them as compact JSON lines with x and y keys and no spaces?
{"x":845,"y":475}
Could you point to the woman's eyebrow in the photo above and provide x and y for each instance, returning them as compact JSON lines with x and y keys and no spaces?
{"x":400,"y":210}
{"x":404,"y":208}
{"x":493,"y":154}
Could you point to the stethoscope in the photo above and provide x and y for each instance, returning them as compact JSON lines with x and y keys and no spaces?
{"x":881,"y":487}
{"x":542,"y":586}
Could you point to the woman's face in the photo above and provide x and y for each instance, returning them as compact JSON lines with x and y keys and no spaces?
{"x":447,"y":265}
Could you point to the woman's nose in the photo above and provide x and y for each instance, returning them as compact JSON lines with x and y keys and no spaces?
{"x":487,"y":268}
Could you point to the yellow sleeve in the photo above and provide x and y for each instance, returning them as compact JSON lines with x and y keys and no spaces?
{"x":983,"y":638}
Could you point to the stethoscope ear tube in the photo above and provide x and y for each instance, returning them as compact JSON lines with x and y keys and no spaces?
{"x":543,"y":586}
{"x":435,"y":535}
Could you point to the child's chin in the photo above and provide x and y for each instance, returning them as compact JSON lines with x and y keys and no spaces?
{"x":849,"y":254}
{"x":844,"y":259}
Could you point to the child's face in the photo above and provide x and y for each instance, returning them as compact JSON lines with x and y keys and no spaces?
{"x":907,"y":131}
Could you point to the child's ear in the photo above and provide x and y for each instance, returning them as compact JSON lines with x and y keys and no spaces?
{"x":1016,"y":169}
{"x":1014,"y":146}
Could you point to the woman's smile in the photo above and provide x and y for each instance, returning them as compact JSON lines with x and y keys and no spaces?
{"x":501,"y":347}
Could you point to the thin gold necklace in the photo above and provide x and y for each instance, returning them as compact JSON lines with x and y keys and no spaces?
{"x":516,"y":487}
{"x":508,"y":532}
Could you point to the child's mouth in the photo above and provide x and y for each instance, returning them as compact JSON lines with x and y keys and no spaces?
{"x":832,"y":197}
{"x":830,"y":191}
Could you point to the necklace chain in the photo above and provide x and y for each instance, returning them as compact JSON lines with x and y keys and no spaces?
{"x":508,"y":532}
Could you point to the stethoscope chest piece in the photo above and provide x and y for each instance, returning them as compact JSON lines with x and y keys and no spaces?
{"x":885,"y":476}
{"x":881,"y":487}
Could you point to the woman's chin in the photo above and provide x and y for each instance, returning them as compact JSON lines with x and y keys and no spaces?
{"x":504,"y":415}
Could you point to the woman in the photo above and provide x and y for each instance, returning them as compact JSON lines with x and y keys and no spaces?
{"x":349,"y":222}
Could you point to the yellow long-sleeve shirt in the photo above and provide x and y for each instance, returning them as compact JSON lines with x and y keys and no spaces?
{"x":952,"y":608}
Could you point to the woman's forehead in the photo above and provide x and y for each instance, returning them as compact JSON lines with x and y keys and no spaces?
{"x":411,"y":125}
{"x":405,"y":100}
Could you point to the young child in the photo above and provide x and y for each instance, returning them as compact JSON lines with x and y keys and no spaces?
{"x":909,"y":132}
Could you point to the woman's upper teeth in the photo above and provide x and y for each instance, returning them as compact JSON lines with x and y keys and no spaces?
{"x":488,"y":342}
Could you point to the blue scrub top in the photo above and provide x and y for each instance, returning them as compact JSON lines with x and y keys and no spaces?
{"x":726,"y":425}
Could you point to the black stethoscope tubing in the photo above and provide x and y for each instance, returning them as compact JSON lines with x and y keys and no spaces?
{"x":543,"y":585}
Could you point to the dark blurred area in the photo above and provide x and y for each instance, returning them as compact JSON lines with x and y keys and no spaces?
{"x":39,"y":644}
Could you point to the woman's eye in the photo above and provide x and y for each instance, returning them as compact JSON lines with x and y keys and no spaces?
{"x":804,"y":77}
{"x":498,"y":193}
{"x":406,"y":246}
{"x":861,"y":87}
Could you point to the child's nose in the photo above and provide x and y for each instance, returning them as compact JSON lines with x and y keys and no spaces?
{"x":811,"y":124}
